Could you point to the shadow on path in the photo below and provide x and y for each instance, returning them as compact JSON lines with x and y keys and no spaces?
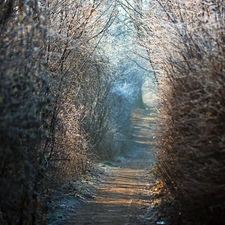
{"x":121,"y":198}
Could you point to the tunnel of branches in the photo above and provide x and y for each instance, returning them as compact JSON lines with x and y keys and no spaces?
{"x":71,"y":72}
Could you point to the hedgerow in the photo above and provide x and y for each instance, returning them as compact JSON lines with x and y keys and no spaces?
{"x":53,"y":99}
{"x":185,"y":42}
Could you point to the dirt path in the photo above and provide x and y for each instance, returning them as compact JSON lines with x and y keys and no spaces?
{"x":120,"y":200}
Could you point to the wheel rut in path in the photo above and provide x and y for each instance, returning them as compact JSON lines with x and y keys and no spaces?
{"x":123,"y":195}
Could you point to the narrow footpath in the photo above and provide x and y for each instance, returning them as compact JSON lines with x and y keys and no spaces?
{"x":121,"y":199}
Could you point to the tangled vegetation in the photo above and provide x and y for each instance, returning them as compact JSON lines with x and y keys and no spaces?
{"x":53,"y":99}
{"x":58,"y":94}
{"x":186,"y":48}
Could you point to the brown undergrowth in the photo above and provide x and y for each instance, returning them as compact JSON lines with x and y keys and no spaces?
{"x":187,"y":46}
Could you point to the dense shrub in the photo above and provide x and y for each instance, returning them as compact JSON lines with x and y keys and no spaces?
{"x":186,"y":43}
{"x":79,"y":86}
{"x":53,"y":92}
{"x":21,"y":103}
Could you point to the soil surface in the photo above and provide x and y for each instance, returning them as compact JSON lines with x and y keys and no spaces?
{"x":124,"y":196}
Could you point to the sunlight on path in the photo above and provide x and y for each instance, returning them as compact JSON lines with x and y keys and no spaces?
{"x":121,"y":198}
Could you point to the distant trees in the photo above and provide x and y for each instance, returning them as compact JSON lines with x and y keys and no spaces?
{"x":120,"y":45}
